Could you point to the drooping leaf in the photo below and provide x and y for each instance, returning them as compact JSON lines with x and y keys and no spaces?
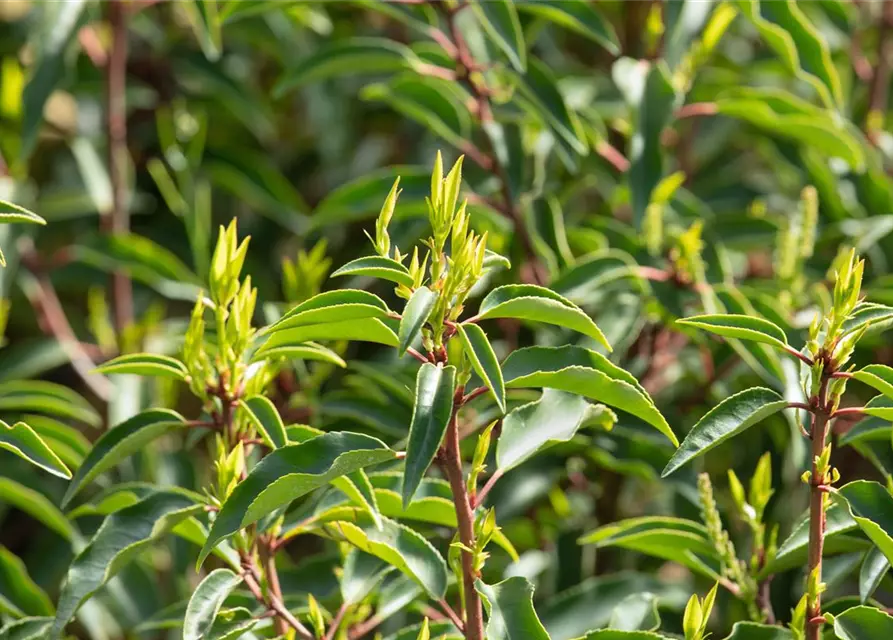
{"x":726,"y":420}
{"x":871,"y":506}
{"x":120,"y":442}
{"x":291,"y":472}
{"x":266,"y":419}
{"x":483,"y":360}
{"x":575,"y":15}
{"x":432,"y":410}
{"x":19,"y":595}
{"x":538,"y":304}
{"x":362,"y":573}
{"x":741,"y":327}
{"x":415,"y":314}
{"x":863,"y":623}
{"x":121,"y":538}
{"x":21,"y":440}
{"x":333,"y":306}
{"x":584,"y":372}
{"x":206,"y":601}
{"x":366,"y":329}
{"x":357,"y":487}
{"x":37,"y":506}
{"x":500,"y":21}
{"x":145,"y":364}
{"x":874,"y":567}
{"x":510,"y":609}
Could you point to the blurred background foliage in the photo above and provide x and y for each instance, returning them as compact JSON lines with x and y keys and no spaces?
{"x":648,"y":160}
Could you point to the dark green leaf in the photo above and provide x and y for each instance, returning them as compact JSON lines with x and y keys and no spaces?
{"x":575,"y":15}
{"x":415,"y":315}
{"x":874,"y":567}
{"x":19,"y":595}
{"x":21,"y":440}
{"x":263,"y":415}
{"x":37,"y":506}
{"x":871,"y":506}
{"x":27,"y":629}
{"x":500,"y":21}
{"x":377,"y":267}
{"x":206,"y":601}
{"x":483,"y":360}
{"x":863,"y":623}
{"x":510,"y":608}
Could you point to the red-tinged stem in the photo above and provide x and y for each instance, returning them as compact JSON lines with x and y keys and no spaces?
{"x":817,"y":499}
{"x":613,"y":156}
{"x":799,"y":355}
{"x":855,"y":412}
{"x":696,"y":109}
{"x":451,"y":614}
{"x":474,"y":394}
{"x":491,"y":482}
{"x":418,"y":356}
{"x":799,"y":405}
{"x":842,"y":374}
{"x":336,"y":622}
{"x":268,"y":557}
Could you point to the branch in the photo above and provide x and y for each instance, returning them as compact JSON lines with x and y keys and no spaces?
{"x":491,"y":482}
{"x":250,"y":576}
{"x":336,"y":622}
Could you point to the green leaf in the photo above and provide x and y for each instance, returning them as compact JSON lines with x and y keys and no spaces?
{"x":415,"y":315}
{"x":145,"y":364}
{"x":400,"y":547}
{"x":575,"y":15}
{"x":483,"y":360}
{"x":584,"y":372}
{"x":741,"y":327}
{"x":612,"y":634}
{"x":501,"y":23}
{"x":121,"y":538}
{"x":878,"y":376}
{"x":206,"y":24}
{"x":878,"y":407}
{"x":726,"y":420}
{"x":510,"y":609}
{"x":366,"y":329}
{"x":585,"y":279}
{"x":339,"y":57}
{"x":120,"y":442}
{"x":46,"y":398}
{"x":333,"y":306}
{"x":792,"y":551}
{"x":232,"y":624}
{"x":21,"y":440}
{"x":432,"y":410}
{"x":874,"y":567}
{"x":303,"y":351}
{"x":357,"y":487}
{"x":554,"y":417}
{"x":868,"y":313}
{"x":37,"y":506}
{"x":863,"y":623}
{"x":288,"y":473}
{"x":637,"y":612}
{"x":538,"y":304}
{"x":19,"y":595}
{"x":755,"y":631}
{"x":206,"y":601}
{"x":263,"y":415}
{"x":362,"y":573}
{"x":377,"y":267}
{"x":11,"y":213}
{"x":871,"y":506}
{"x":27,"y":629}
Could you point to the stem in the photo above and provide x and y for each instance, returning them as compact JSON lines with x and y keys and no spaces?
{"x":336,"y":622}
{"x":117,"y":222}
{"x":452,"y":465}
{"x":491,"y":482}
{"x":799,"y":355}
{"x":268,"y":557}
{"x":817,"y":502}
{"x":451,"y":614}
{"x":275,"y":605}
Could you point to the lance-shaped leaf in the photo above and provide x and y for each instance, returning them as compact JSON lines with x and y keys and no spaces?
{"x":584,"y":372}
{"x":27,"y":629}
{"x":874,"y":567}
{"x":377,"y":267}
{"x":538,"y":304}
{"x":727,"y":419}
{"x":416,"y":313}
{"x":484,"y":360}
{"x":10,"y":213}
{"x":365,"y":329}
{"x":145,"y":364}
{"x":868,"y":313}
{"x":21,"y":440}
{"x":121,"y":538}
{"x":36,"y":505}
{"x":741,"y":327}
{"x":232,"y":624}
{"x":301,"y":351}
{"x":19,"y":595}
{"x":120,"y":442}
{"x":510,"y":609}
{"x":554,"y":417}
{"x":878,"y":376}
{"x":756,"y":631}
{"x":333,"y":306}
{"x":871,"y":506}
{"x":206,"y":601}
{"x":291,"y":472}
{"x":792,"y":551}
{"x":575,"y":15}
{"x":357,"y":487}
{"x":263,"y":415}
{"x":636,"y":612}
{"x":46,"y":398}
{"x":878,"y":407}
{"x":500,"y":21}
{"x":401,"y":547}
{"x":863,"y":623}
{"x":434,"y":388}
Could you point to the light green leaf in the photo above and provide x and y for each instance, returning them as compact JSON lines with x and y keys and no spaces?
{"x":874,"y":567}
{"x":377,"y":267}
{"x":206,"y":601}
{"x":637,"y":612}
{"x":509,"y":605}
{"x":21,"y":440}
{"x":263,"y":415}
{"x":575,"y":15}
{"x":145,"y":364}
{"x":46,"y":398}
{"x":726,"y":420}
{"x":741,"y":327}
{"x":501,"y":23}
{"x":871,"y":506}
{"x":303,"y":351}
{"x":755,"y":631}
{"x":357,"y":487}
{"x":538,"y":304}
{"x":120,"y":442}
{"x":432,"y":410}
{"x":232,"y":624}
{"x":554,"y":417}
{"x":206,"y":24}
{"x":878,"y":376}
{"x":863,"y":623}
{"x":584,"y":372}
{"x":19,"y":595}
{"x":415,"y":315}
{"x":123,"y":536}
{"x":868,"y":313}
{"x":288,"y":473}
{"x":333,"y":306}
{"x":27,"y":629}
{"x":11,"y":213}
{"x":37,"y":506}
{"x":401,"y":547}
{"x":362,"y":573}
{"x":792,"y":552}
{"x":366,"y":329}
{"x":484,"y":360}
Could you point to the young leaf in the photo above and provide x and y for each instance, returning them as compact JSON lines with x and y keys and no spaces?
{"x":538,"y":304}
{"x":333,"y":306}
{"x":206,"y":601}
{"x":10,"y":212}
{"x":584,"y":372}
{"x":366,"y":329}
{"x":878,"y":376}
{"x":120,"y":442}
{"x":145,"y":364}
{"x":433,"y":408}
{"x":122,"y":537}
{"x":509,"y":605}
{"x":871,"y":506}
{"x":727,"y":419}
{"x":874,"y":567}
{"x":289,"y":473}
{"x":863,"y":623}
{"x":500,"y":21}
{"x":19,"y":595}
{"x":377,"y":267}
{"x":302,"y":351}
{"x":415,"y":314}
{"x":484,"y":360}
{"x":741,"y":327}
{"x":21,"y":440}
{"x":263,"y":415}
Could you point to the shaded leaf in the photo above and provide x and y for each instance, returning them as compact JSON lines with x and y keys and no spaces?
{"x":576,"y":15}
{"x":206,"y":601}
{"x":871,"y":506}
{"x":19,"y":595}
{"x":501,"y":23}
{"x":510,"y":609}
{"x":874,"y":567}
{"x":263,"y":415}
{"x":37,"y":506}
{"x":145,"y":364}
{"x":49,"y":398}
